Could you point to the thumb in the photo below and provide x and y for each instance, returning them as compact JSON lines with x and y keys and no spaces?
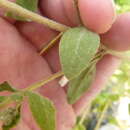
{"x":97,"y":15}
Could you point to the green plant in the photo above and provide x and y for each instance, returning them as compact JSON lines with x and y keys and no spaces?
{"x":73,"y":45}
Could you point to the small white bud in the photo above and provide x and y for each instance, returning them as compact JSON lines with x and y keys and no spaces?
{"x":63,"y":81}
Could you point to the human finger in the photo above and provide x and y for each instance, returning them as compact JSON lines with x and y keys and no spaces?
{"x":118,"y":37}
{"x":22,"y":66}
{"x":105,"y":68}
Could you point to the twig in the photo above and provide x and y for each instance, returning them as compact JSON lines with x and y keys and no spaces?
{"x":51,"y":44}
{"x":85,"y":114}
{"x":77,"y":11}
{"x":121,"y":55}
{"x":102,"y":115}
{"x":20,"y":11}
{"x":43,"y":82}
{"x":125,"y":55}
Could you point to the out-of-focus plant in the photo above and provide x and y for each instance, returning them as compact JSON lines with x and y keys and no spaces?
{"x":122,"y":5}
{"x":102,"y":108}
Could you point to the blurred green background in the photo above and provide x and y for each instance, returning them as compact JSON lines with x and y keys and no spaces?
{"x":111,"y":109}
{"x":122,"y":5}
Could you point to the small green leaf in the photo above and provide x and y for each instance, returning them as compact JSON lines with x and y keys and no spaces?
{"x":77,"y":48}
{"x":11,"y":15}
{"x":114,"y":97}
{"x":10,"y":117}
{"x":112,"y":120}
{"x":27,"y":4}
{"x":79,"y":85}
{"x":79,"y":127}
{"x":17,"y":97}
{"x":6,"y":100}
{"x":43,"y":111}
{"x":2,"y":98}
{"x":6,"y":87}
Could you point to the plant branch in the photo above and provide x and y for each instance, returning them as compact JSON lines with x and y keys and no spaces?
{"x":122,"y":55}
{"x":43,"y":82}
{"x":77,"y":11}
{"x":50,"y":44}
{"x":85,"y":113}
{"x":20,"y":11}
{"x":102,"y":115}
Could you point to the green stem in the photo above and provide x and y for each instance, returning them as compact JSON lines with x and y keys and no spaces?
{"x":43,"y":82}
{"x":20,"y":11}
{"x":85,"y":113}
{"x":102,"y":115}
{"x":51,"y":44}
{"x":98,"y":57}
{"x":77,"y":10}
{"x":122,"y":55}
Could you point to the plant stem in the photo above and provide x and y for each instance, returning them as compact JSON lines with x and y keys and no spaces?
{"x":122,"y":55}
{"x":51,"y":44}
{"x":20,"y":11}
{"x":43,"y":82}
{"x":98,"y":57}
{"x":102,"y":115}
{"x":77,"y":10}
{"x":85,"y":114}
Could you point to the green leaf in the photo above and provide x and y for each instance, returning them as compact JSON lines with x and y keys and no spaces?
{"x":112,"y":120}
{"x":31,"y":5}
{"x":28,"y":4}
{"x":43,"y":111}
{"x":114,"y":97}
{"x":4,"y":101}
{"x":79,"y":127}
{"x":77,"y":48}
{"x":6,"y":87}
{"x":17,"y":97}
{"x":10,"y":117}
{"x":79,"y":85}
{"x":2,"y":98}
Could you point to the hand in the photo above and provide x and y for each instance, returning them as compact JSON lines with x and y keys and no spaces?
{"x":21,"y":64}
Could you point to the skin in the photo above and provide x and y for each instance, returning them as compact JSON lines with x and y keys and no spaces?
{"x":118,"y":34}
{"x":21,"y":64}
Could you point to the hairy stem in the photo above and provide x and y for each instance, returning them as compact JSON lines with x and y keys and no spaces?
{"x":50,"y":44}
{"x":20,"y":11}
{"x":43,"y":82}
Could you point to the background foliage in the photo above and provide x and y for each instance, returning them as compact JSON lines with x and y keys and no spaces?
{"x":103,"y":108}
